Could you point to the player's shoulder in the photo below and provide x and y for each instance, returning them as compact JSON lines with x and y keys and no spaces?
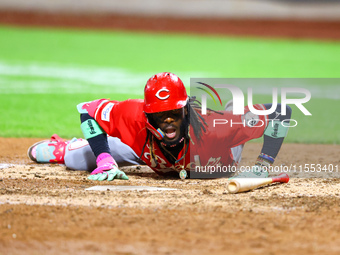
{"x":127,"y":101}
{"x":134,"y":102}
{"x":130,"y":108}
{"x":135,"y":105}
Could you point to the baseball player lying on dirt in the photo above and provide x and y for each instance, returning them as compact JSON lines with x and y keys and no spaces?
{"x":161,"y":131}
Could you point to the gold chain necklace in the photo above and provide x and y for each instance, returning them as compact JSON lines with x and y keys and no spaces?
{"x":182,"y":166}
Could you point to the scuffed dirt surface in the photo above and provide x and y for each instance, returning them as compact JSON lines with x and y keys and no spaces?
{"x":45,"y":209}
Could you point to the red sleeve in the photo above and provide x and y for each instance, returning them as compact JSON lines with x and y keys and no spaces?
{"x":123,"y":119}
{"x":234,"y":130}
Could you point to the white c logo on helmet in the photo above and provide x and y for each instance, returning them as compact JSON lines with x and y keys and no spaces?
{"x":162,"y":98}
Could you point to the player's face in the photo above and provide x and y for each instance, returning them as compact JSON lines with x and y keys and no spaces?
{"x":170,"y":123}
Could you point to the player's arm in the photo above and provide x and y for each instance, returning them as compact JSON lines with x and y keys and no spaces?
{"x":274,"y":135}
{"x":107,"y":168}
{"x":273,"y":128}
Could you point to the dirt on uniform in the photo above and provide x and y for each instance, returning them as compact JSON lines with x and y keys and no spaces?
{"x":45,"y":209}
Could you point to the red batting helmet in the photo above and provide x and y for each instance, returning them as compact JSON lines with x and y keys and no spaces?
{"x":164,"y":92}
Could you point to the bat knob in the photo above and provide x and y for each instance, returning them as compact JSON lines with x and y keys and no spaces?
{"x":233,"y":187}
{"x":284,"y":178}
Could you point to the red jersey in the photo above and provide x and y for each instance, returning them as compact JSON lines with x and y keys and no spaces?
{"x":127,"y":121}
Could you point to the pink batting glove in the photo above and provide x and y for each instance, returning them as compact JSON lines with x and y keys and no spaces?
{"x":105,"y":162}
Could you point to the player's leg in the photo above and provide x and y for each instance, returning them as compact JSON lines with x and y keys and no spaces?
{"x":79,"y":156}
{"x":122,"y":153}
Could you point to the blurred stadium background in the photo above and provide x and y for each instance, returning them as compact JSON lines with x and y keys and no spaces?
{"x":293,"y":18}
{"x":273,"y":9}
{"x":64,"y":52}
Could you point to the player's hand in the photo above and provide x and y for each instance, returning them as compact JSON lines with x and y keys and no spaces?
{"x":108,"y":175}
{"x":107,"y":169}
{"x":254,"y":172}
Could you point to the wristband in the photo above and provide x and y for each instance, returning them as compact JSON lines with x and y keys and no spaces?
{"x":276,"y":129}
{"x":91,"y":128}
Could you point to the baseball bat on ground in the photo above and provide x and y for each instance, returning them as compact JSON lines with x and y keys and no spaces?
{"x":244,"y":184}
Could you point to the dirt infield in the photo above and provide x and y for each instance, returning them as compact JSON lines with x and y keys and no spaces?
{"x":44,"y":209}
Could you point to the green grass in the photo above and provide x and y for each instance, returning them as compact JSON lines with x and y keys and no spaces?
{"x":36,"y":115}
{"x":151,"y":53}
{"x":40,"y":104}
{"x":321,"y":127}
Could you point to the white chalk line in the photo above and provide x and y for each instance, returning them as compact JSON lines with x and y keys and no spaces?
{"x":127,"y":188}
{"x":51,"y":78}
{"x":26,"y":78}
{"x":5,"y":165}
